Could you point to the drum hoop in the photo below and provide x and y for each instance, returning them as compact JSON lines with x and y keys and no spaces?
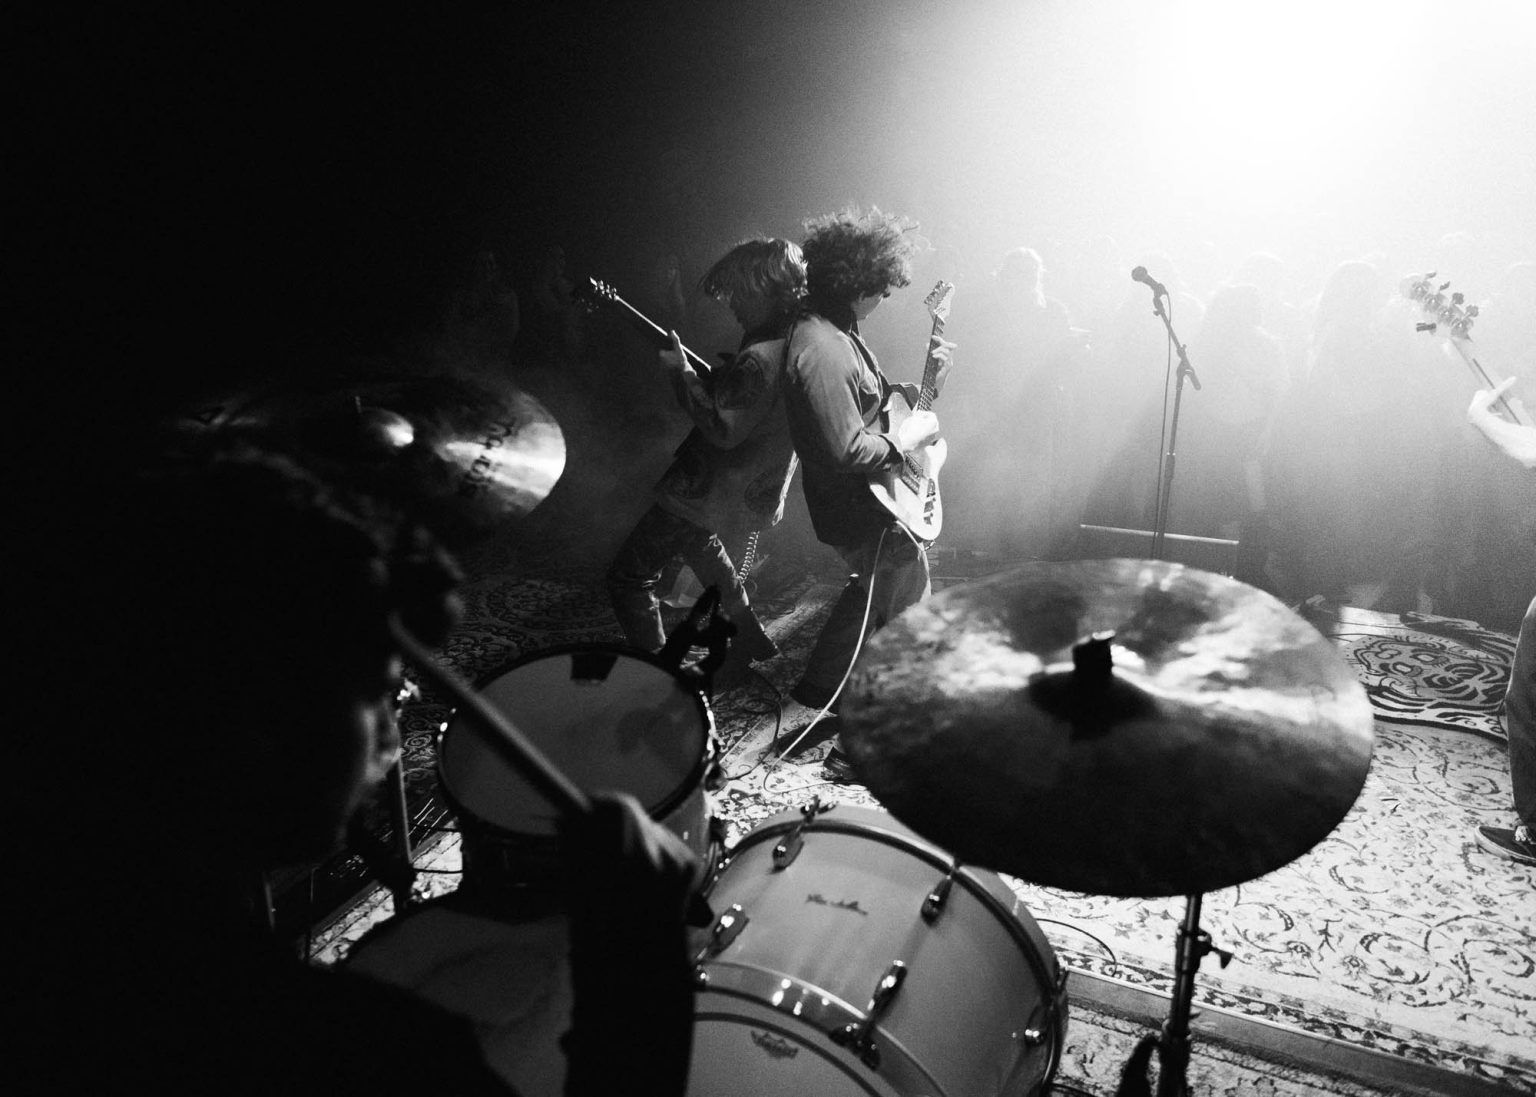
{"x":669,"y":803}
{"x":824,"y":1013}
{"x":1046,"y":968}
{"x":785,"y":1031}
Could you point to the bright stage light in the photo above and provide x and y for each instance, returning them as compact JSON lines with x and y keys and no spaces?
{"x":1259,"y":105}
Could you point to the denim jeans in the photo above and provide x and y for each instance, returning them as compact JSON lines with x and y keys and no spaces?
{"x":657,"y":538}
{"x":1520,"y":719}
{"x":897,"y":567}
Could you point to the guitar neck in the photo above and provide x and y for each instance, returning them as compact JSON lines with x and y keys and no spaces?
{"x":931,"y":368}
{"x":663,"y":336}
{"x":1511,"y":409}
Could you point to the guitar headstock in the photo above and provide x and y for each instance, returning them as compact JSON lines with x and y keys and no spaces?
{"x":938,"y":299}
{"x":598,"y":290}
{"x":1446,"y":310}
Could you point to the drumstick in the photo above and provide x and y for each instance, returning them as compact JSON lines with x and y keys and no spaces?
{"x":513,"y":745}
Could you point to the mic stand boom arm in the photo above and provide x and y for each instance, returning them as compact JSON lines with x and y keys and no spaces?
{"x":1168,"y":459}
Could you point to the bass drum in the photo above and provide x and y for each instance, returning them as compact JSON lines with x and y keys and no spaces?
{"x":609,"y":718}
{"x":850,"y":956}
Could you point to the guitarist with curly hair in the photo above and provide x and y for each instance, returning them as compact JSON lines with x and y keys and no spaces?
{"x":849,"y":442}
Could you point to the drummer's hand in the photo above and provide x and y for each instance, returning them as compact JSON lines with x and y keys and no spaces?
{"x":618,"y":854}
{"x":628,"y":879}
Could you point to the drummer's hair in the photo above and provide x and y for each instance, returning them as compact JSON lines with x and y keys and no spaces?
{"x":244,"y":607}
{"x":763,"y":267}
{"x":856,"y":253}
{"x":253,"y":539}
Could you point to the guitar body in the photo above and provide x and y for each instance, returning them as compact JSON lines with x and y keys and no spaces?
{"x":910,"y":491}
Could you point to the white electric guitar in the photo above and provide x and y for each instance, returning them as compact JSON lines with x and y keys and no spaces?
{"x":910,"y":490}
{"x":1452,"y":317}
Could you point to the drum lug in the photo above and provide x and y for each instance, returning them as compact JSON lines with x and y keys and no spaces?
{"x":934,"y":904}
{"x":861,"y":1036}
{"x":726,"y":929}
{"x":785,"y":851}
{"x":714,"y":772}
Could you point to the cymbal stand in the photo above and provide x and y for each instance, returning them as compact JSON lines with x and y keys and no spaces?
{"x":1173,"y":1042}
{"x":1169,"y":457}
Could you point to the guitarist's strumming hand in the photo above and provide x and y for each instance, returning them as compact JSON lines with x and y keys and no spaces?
{"x":917,"y":430}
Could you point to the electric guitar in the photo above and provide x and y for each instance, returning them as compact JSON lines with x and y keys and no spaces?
{"x":686,"y":588}
{"x":1452,"y":314}
{"x":602,"y":291}
{"x":910,"y":490}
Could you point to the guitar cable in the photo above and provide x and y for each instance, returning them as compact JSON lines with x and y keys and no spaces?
{"x":869,"y":602}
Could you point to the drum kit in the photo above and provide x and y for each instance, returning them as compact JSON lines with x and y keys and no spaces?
{"x":1130,"y":728}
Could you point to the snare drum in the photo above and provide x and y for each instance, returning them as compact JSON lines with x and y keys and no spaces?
{"x":850,"y":956}
{"x":609,"y":718}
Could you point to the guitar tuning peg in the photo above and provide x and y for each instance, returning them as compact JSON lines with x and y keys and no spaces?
{"x":1415,"y":287}
{"x":1458,"y":297}
{"x":1472,"y":310}
{"x":1443,"y":285}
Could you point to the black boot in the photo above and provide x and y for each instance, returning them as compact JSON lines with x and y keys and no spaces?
{"x":751,"y":641}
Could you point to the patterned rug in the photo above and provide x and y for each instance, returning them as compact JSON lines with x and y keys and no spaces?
{"x":1439,"y":672}
{"x":1396,"y":933}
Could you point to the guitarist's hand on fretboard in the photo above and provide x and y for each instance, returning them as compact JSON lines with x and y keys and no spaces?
{"x":1517,"y":440}
{"x":674,"y":357}
{"x":941,"y":350}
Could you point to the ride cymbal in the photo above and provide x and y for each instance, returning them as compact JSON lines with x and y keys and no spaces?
{"x":1116,"y":727}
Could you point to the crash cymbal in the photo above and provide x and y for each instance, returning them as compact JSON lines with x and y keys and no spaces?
{"x":1205,"y":736}
{"x":464,"y":455}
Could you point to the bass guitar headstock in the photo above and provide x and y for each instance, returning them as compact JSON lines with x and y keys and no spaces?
{"x":938,"y":300}
{"x":1451,"y":316}
{"x":1447,"y":311}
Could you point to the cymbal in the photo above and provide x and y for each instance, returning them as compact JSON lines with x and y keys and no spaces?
{"x":1116,"y":727}
{"x":464,"y":456}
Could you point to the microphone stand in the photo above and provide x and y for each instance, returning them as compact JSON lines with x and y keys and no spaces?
{"x":1165,"y":465}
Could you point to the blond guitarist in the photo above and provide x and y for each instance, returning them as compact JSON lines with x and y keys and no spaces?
{"x":836,"y":397}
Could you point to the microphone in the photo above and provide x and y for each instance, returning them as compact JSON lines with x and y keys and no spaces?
{"x":1140,"y":275}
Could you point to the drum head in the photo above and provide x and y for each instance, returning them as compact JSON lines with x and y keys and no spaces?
{"x":608,"y":718}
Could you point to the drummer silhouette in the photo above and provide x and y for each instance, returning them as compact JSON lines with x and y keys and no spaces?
{"x":273,"y":200}
{"x":238,"y":732}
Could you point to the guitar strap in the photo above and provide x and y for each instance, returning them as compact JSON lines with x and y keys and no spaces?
{"x":869,"y":360}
